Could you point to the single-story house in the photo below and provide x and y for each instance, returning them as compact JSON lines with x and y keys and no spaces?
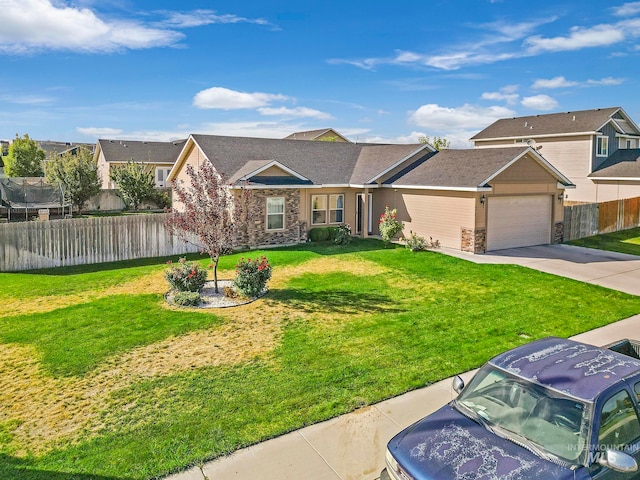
{"x":473,"y":200}
{"x":159,"y":156}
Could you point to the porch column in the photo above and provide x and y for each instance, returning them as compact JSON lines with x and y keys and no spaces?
{"x":365,"y":214}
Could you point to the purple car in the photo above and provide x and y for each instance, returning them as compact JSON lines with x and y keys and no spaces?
{"x":551,"y":409}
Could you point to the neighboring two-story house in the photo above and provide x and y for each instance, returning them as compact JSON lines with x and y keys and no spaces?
{"x":159,"y":156}
{"x":598,"y":150}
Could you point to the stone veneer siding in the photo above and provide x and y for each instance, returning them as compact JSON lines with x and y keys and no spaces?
{"x":474,"y":241}
{"x":558,"y":233}
{"x":256,"y":233}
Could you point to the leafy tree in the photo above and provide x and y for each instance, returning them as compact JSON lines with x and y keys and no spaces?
{"x":210,"y":217}
{"x":439,"y":143}
{"x":135,"y":182}
{"x":25,"y":158}
{"x":77,"y":176}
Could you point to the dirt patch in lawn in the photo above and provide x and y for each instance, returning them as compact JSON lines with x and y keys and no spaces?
{"x":52,"y":412}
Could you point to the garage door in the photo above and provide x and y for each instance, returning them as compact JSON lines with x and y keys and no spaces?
{"x":518,"y":221}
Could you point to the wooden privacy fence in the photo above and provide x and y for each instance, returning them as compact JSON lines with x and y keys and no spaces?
{"x":593,"y":218}
{"x":56,"y":243}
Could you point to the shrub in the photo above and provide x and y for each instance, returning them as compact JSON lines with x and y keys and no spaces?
{"x":415,"y":243}
{"x":186,"y":278}
{"x":319,"y":234}
{"x":161,"y":199}
{"x":343,"y":236}
{"x":187,"y":299}
{"x":252,"y":276}
{"x":333,"y":233}
{"x":389,"y":226}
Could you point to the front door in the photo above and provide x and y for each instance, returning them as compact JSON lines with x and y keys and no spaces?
{"x":360,"y":209}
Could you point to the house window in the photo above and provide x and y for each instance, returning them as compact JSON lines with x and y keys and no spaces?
{"x":321,"y":210}
{"x":161,"y":176}
{"x":318,"y":209}
{"x":275,"y":213}
{"x":336,"y":208}
{"x":602,"y":147}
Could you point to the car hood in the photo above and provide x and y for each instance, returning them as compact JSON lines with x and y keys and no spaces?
{"x":448,"y":445}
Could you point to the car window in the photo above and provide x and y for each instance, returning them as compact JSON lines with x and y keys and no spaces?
{"x":637,"y":390}
{"x":619,"y":424}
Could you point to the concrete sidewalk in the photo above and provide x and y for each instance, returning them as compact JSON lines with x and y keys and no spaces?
{"x":352,"y":447}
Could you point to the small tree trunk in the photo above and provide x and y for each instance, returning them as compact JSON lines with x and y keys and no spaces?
{"x":215,"y":272}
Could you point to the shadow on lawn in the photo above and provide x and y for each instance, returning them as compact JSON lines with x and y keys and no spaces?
{"x":335,"y":301}
{"x":12,"y":468}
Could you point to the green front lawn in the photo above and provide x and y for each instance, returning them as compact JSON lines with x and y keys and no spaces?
{"x":626,"y":241}
{"x":141,"y":390}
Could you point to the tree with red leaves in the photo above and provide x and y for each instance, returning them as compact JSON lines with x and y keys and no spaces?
{"x":211,"y":215}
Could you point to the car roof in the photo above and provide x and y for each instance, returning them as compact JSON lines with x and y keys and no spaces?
{"x":577,"y":369}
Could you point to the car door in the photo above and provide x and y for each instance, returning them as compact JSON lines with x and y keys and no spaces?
{"x":619,"y":429}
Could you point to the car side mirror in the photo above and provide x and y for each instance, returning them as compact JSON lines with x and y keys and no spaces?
{"x":457,"y":384}
{"x":618,"y":461}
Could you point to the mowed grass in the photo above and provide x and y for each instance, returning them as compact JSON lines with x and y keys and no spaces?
{"x":346,"y":327}
{"x":625,"y":241}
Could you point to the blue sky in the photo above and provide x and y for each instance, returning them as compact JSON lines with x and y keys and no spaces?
{"x":374,"y":71}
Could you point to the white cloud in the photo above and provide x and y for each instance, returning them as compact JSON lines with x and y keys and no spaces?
{"x":226,"y":99}
{"x":37,"y":25}
{"x":198,"y":18}
{"x":99,"y":132}
{"x":295,"y":112}
{"x":579,"y":38}
{"x":539,"y":102}
{"x":555,"y":82}
{"x":27,"y":99}
{"x":627,"y":9}
{"x":562,"y":82}
{"x":467,"y":117}
{"x":507,"y":94}
{"x":606,"y":81}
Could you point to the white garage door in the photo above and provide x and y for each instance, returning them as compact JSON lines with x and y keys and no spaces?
{"x":518,"y":221}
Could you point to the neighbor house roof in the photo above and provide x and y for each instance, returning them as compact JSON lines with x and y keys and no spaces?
{"x":315,"y":134}
{"x":305,"y":163}
{"x":583,"y":121}
{"x":468,"y":169}
{"x":52,"y":148}
{"x":123,"y":151}
{"x":623,"y":164}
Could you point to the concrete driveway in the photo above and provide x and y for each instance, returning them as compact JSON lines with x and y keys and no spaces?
{"x":617,"y":271}
{"x":352,"y":447}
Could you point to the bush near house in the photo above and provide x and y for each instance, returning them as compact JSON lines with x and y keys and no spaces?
{"x":319,"y":234}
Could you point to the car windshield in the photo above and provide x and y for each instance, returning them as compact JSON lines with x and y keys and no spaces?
{"x":545,"y":421}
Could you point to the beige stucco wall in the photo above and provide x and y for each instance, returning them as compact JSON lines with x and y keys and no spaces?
{"x":349,"y":204}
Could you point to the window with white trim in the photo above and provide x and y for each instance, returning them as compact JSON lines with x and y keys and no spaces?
{"x":336,"y":208}
{"x":602,"y":147}
{"x":323,"y":211}
{"x":275,"y":213}
{"x":318,"y":209}
{"x":161,"y":176}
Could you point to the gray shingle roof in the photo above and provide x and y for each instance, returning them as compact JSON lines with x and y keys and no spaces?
{"x":549,"y":124}
{"x":323,"y":163}
{"x":469,"y":168}
{"x":139,"y":151}
{"x":622,"y":163}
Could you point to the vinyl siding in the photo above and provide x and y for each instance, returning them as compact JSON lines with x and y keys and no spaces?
{"x":615,"y":190}
{"x":440,"y":215}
